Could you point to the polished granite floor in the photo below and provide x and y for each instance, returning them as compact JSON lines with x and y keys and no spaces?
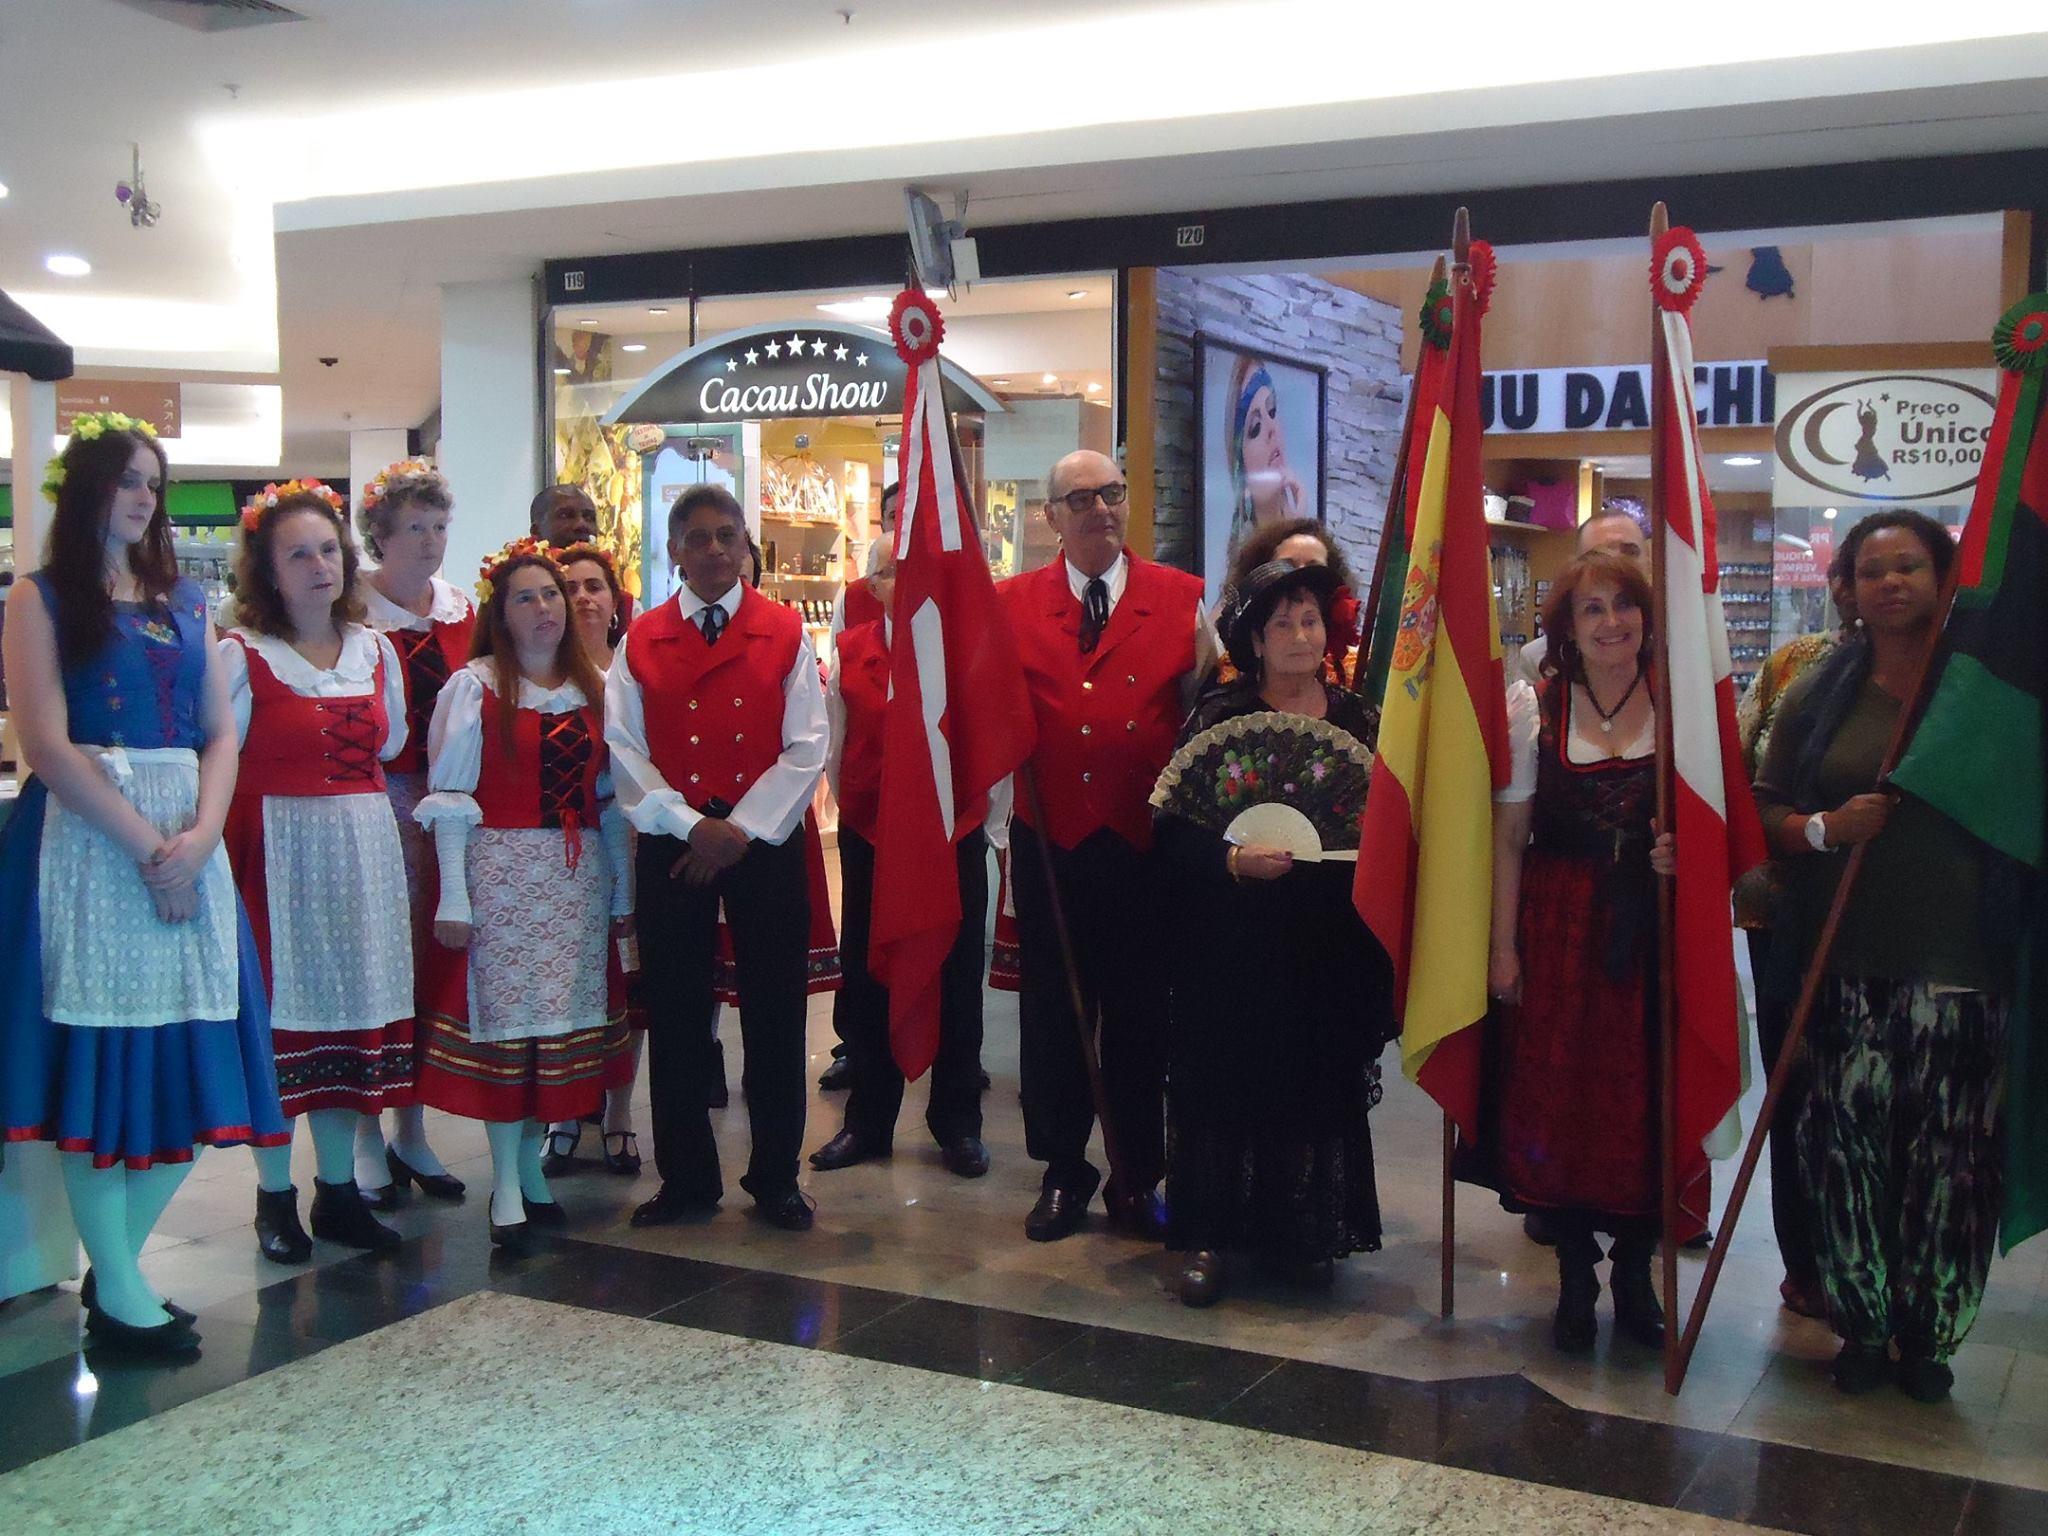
{"x":1284,"y":1410}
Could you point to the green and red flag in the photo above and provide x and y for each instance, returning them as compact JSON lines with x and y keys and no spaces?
{"x":1425,"y":863}
{"x":1977,"y":755}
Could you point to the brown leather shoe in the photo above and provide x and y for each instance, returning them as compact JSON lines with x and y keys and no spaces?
{"x":1141,"y":1215}
{"x":1200,"y":1281}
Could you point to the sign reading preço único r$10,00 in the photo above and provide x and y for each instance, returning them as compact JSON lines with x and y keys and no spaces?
{"x":1882,"y":437}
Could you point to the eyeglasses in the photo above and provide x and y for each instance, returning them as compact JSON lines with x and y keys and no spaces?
{"x":1081,"y":501}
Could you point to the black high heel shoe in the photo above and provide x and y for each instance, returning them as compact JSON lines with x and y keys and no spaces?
{"x":89,"y":1298}
{"x":165,"y":1341}
{"x":544,"y":1213}
{"x":514,"y":1241}
{"x":439,"y":1186}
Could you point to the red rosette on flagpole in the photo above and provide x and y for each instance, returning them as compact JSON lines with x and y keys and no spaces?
{"x":915,"y":327}
{"x":1485,"y":272}
{"x":1678,"y":270}
{"x":2020,"y":338}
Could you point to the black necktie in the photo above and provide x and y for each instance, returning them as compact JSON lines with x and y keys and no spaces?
{"x":713,"y":620}
{"x":1094,"y":612}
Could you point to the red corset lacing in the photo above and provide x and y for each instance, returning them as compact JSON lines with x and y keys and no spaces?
{"x":565,"y":748}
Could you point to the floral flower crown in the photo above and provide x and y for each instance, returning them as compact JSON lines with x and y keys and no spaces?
{"x":602,"y":547}
{"x":254,"y":508}
{"x":373,"y":492}
{"x":85,"y":429}
{"x":526,"y":547}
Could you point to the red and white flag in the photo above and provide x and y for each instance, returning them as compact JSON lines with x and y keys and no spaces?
{"x":1717,"y":833}
{"x":959,"y":718}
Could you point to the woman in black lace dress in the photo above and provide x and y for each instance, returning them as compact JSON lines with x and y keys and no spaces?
{"x":1282,"y":1000}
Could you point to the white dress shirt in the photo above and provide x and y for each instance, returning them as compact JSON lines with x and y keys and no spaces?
{"x":775,"y":803}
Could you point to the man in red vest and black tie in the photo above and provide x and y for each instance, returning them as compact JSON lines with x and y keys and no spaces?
{"x":1112,"y":646}
{"x":716,"y":724}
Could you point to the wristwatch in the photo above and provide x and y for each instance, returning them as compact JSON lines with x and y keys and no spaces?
{"x":1817,"y":832}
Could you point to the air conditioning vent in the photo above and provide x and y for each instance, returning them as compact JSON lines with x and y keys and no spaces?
{"x":214,"y":15}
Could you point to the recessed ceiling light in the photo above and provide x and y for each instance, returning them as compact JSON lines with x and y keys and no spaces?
{"x":1832,"y":512}
{"x":1048,"y":378}
{"x":634,"y":346}
{"x":67,"y":266}
{"x":586,"y":322}
{"x":1094,"y":389}
{"x":1742,"y":461}
{"x":561,"y":373}
{"x":999,"y":383}
{"x":657,"y":309}
{"x":1077,"y":293}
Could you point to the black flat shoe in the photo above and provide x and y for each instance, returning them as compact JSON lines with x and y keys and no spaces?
{"x":437,"y":1186}
{"x":838,"y":1077}
{"x":1925,"y":1379}
{"x":667,"y":1208}
{"x":1059,"y":1212}
{"x":89,"y":1298}
{"x":514,"y":1241}
{"x":625,"y":1161}
{"x":1861,"y":1368}
{"x":966,"y":1156}
{"x":561,"y":1151}
{"x":1200,"y":1281}
{"x":341,"y":1216}
{"x":791,"y":1210}
{"x":1142,"y":1215}
{"x":165,"y":1341}
{"x":544,"y":1213}
{"x":843,"y":1151}
{"x":279,"y":1237}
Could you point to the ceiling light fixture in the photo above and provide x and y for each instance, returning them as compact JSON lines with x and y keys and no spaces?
{"x":561,"y":373}
{"x":1094,"y":389}
{"x":1048,"y":378}
{"x":67,"y":266}
{"x":1831,"y":513}
{"x":1077,"y":293}
{"x":1742,"y":461}
{"x":657,"y":309}
{"x":869,"y":306}
{"x":1000,"y":383}
{"x":634,"y":346}
{"x":3,"y":189}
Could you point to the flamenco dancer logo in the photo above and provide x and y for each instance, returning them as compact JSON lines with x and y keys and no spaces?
{"x":1417,"y":633}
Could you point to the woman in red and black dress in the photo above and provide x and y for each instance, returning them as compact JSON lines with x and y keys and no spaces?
{"x":1572,"y":954}
{"x":403,"y":515}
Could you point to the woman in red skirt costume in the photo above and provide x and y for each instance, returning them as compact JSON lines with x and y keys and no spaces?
{"x":1573,"y":951}
{"x":320,"y":707}
{"x":518,"y":1029}
{"x":403,"y":516}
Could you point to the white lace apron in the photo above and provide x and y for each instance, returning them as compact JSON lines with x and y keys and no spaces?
{"x":340,"y":939}
{"x":537,"y":951}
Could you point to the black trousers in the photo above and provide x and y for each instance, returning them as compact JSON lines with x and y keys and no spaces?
{"x":767,"y":904}
{"x":1110,"y":893}
{"x":861,"y":1010}
{"x":1793,"y":1215}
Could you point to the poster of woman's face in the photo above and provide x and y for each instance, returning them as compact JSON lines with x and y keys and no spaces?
{"x":1261,"y":442}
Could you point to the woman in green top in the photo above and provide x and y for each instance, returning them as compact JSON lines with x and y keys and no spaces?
{"x":1901,"y":1138}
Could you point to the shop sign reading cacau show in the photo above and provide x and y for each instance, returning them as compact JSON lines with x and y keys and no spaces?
{"x":793,"y":370}
{"x":1882,"y":437}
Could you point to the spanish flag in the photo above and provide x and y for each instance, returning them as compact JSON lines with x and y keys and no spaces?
{"x":1425,"y":863}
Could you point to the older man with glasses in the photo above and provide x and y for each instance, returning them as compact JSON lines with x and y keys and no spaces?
{"x":1112,"y":646}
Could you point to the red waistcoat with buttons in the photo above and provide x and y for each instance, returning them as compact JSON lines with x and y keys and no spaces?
{"x":301,"y":746}
{"x":1107,"y":720}
{"x":549,"y":777}
{"x":714,"y":712}
{"x":427,"y":658}
{"x":864,"y":691}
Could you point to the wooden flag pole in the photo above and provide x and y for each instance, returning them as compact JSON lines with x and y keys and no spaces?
{"x":1667,"y":980}
{"x":1809,"y":988}
{"x":1461,"y":272}
{"x":1397,"y":506}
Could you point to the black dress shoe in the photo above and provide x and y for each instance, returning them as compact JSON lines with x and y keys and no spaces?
{"x":163,"y":1342}
{"x":437,"y":1186}
{"x":1862,"y":1368}
{"x":89,"y":1298}
{"x":544,"y":1213}
{"x":279,"y":1237}
{"x":1200,"y":1281}
{"x":844,"y":1150}
{"x":790,"y":1210}
{"x":838,"y":1076}
{"x":966,"y":1156}
{"x":667,"y":1208}
{"x":1059,"y":1212}
{"x":514,"y":1240}
{"x":1142,"y":1215}
{"x":340,"y":1216}
{"x":560,"y":1155}
{"x":1924,"y":1378}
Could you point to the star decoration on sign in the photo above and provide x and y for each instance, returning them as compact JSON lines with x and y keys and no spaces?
{"x":861,"y":361}
{"x":774,"y":350}
{"x":818,"y":347}
{"x":753,"y":357}
{"x":796,"y":345}
{"x":731,"y":366}
{"x":840,"y":354}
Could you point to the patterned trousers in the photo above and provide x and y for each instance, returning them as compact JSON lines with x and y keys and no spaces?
{"x":1902,"y":1145}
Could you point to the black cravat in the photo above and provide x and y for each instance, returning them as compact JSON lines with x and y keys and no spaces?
{"x":712,"y":618}
{"x":1094,"y":612}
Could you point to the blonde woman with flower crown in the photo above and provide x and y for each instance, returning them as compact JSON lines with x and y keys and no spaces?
{"x":403,"y":516}
{"x":518,"y":1027}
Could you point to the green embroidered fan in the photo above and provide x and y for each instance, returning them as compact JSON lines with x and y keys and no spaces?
{"x":1271,"y":778}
